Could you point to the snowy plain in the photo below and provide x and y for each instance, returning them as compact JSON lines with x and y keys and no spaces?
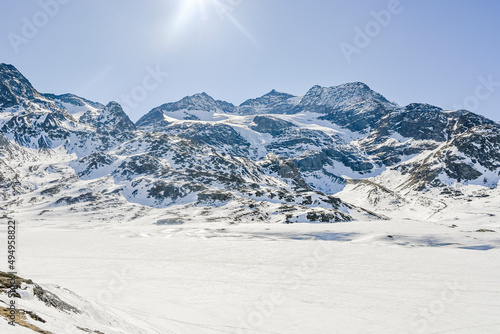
{"x":415,"y":274}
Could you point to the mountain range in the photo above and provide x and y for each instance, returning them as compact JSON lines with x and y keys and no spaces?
{"x":277,"y":158}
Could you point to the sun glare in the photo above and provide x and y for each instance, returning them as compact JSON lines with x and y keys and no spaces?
{"x":206,"y":11}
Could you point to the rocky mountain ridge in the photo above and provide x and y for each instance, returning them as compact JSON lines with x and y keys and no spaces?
{"x":277,"y":158}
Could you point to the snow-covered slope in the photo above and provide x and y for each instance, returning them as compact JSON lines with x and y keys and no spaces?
{"x":56,"y":310}
{"x":75,"y":105}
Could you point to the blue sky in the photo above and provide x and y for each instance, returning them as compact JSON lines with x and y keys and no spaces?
{"x":441,"y":52}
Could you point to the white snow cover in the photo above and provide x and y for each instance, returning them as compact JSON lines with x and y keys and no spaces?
{"x":412,"y":274}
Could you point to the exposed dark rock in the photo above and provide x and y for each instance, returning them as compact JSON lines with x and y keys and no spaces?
{"x":14,"y":87}
{"x":87,"y":197}
{"x":271,"y":125}
{"x":9,"y":281}
{"x":210,"y":197}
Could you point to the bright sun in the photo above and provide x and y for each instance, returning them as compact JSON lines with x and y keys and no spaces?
{"x":191,"y":7}
{"x":197,"y":3}
{"x":207,"y":11}
{"x":206,"y":8}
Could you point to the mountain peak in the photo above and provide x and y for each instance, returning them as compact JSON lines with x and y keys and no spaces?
{"x":345,"y":94}
{"x":4,"y":67}
{"x":114,"y":105}
{"x":14,"y":87}
{"x":273,"y":102}
{"x":274,"y":92}
{"x":111,"y":119}
{"x":422,"y":107}
{"x":356,"y":84}
{"x":201,"y":95}
{"x":200,"y":106}
{"x":354,"y":87}
{"x":10,"y":71}
{"x":73,"y":103}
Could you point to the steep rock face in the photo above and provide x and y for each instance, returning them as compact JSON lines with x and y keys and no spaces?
{"x":38,"y":129}
{"x":111,"y":119}
{"x":155,"y":119}
{"x":14,"y":87}
{"x":471,"y":157}
{"x":358,"y":116}
{"x":352,"y":105}
{"x":420,"y":122}
{"x":481,"y":145}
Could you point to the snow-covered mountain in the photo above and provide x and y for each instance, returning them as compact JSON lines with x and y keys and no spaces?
{"x":276,"y":158}
{"x":192,"y":199}
{"x":271,"y":103}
